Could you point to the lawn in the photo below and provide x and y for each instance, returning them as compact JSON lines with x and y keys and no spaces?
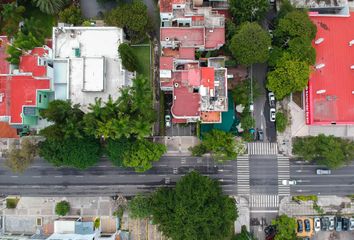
{"x":142,"y":53}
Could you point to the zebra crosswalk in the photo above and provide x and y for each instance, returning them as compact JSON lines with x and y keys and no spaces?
{"x":243,"y":175}
{"x":262,"y":148}
{"x":264,"y":201}
{"x":283,"y":174}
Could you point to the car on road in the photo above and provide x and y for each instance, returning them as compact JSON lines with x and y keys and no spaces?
{"x":307,"y":225}
{"x":260,"y":135}
{"x":316,"y":224}
{"x":338,"y":224}
{"x":299,"y":226}
{"x":345,"y":224}
{"x":288,"y":182}
{"x":271,"y":99}
{"x":325,"y":223}
{"x":323,"y":171}
{"x":331,"y":223}
{"x":272,"y":114}
{"x":351,"y":223}
{"x":168,"y":120}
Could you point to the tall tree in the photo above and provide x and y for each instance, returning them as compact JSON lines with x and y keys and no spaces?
{"x":19,"y":159}
{"x":133,"y":18}
{"x":140,"y":207}
{"x":285,"y":227}
{"x":10,"y":17}
{"x":241,"y":92}
{"x":289,"y":76}
{"x":128,"y":57}
{"x":248,"y":10}
{"x":302,"y":50}
{"x":50,"y":6}
{"x":250,"y":44}
{"x":244,"y":235}
{"x":71,"y":15}
{"x":79,"y":153}
{"x":195,"y":209}
{"x":221,"y":145}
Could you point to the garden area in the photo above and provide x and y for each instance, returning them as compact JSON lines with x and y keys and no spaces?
{"x":143,"y":57}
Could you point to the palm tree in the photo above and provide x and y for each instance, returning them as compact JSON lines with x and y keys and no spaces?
{"x":50,"y":6}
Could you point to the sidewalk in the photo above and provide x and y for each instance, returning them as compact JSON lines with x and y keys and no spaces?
{"x":177,"y":145}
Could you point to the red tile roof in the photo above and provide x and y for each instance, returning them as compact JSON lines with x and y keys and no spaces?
{"x":186,"y":103}
{"x":6,"y":131}
{"x":192,"y":77}
{"x":214,"y":38}
{"x":29,"y":63}
{"x":166,"y":5}
{"x":208,"y":74}
{"x":187,"y":53}
{"x":166,"y":63}
{"x":336,"y":77}
{"x":189,"y":37}
{"x":4,"y":65}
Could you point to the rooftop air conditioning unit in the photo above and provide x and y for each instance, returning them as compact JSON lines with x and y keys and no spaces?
{"x":351,"y":43}
{"x":352,"y":67}
{"x":318,"y":41}
{"x":319,"y":66}
{"x":321,"y":91}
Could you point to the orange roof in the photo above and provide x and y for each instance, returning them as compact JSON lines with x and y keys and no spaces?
{"x":208,"y":77}
{"x":6,"y":131}
{"x":210,"y":117}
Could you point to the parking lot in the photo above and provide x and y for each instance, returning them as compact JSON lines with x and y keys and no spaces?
{"x":181,"y":129}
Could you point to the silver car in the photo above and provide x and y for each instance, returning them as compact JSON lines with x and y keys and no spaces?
{"x":272,"y":114}
{"x":316,"y":224}
{"x":351,"y":224}
{"x":331,"y":223}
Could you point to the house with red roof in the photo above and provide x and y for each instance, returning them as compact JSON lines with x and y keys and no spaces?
{"x":198,"y":87}
{"x":26,"y":90}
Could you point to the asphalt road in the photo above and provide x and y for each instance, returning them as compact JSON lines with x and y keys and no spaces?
{"x":340,"y":182}
{"x":106,"y":180}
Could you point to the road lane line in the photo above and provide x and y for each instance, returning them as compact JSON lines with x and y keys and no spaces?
{"x":14,"y":176}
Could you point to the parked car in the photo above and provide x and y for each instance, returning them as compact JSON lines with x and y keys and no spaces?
{"x":338,"y":224}
{"x":307,"y":225}
{"x":272,"y":114}
{"x":299,"y":226}
{"x":322,"y":171}
{"x":325,"y":223}
{"x":271,"y":99}
{"x":345,"y":224}
{"x":260,"y":135}
{"x":168,"y":120}
{"x":331,"y":223}
{"x":351,"y":223}
{"x":288,"y":182}
{"x":316,"y":224}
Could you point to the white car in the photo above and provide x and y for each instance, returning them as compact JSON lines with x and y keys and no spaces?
{"x":168,"y":120}
{"x":288,"y":182}
{"x":271,"y":99}
{"x":316,"y":224}
{"x":272,"y":114}
{"x":351,"y":224}
{"x":331,"y":223}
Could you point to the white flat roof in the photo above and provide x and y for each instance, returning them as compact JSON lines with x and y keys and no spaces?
{"x":64,"y":226}
{"x":95,"y":70}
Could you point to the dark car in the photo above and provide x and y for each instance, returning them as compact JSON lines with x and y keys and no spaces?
{"x":299,"y":226}
{"x":307,"y":225}
{"x":338,"y":224}
{"x":345,"y":224}
{"x":260,"y":134}
{"x":325,"y":223}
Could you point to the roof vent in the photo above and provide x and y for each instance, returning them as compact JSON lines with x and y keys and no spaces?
{"x":352,"y":67}
{"x":167,"y":39}
{"x":176,"y":85}
{"x":353,"y":92}
{"x":321,"y":91}
{"x":318,"y":41}
{"x":319,"y":66}
{"x":351,"y":43}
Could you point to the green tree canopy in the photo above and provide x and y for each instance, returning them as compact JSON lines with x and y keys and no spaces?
{"x":295,"y":24}
{"x":285,"y":8}
{"x":19,"y":159}
{"x":128,"y":57}
{"x":10,"y":17}
{"x":131,"y":115}
{"x":248,"y":10}
{"x":281,"y":121}
{"x":244,"y":235}
{"x":136,"y":153}
{"x":331,"y":151}
{"x":250,"y":44}
{"x":221,"y":145}
{"x":285,"y":228}
{"x":241,"y":92}
{"x":74,"y":152}
{"x":50,"y":6}
{"x":67,"y":119}
{"x":140,"y":207}
{"x":195,"y":209}
{"x":289,"y":76}
{"x":62,"y":208}
{"x":133,"y":17}
{"x":302,"y":50}
{"x":71,"y":15}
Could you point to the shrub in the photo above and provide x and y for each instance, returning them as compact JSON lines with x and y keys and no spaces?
{"x":281,"y":121}
{"x":306,"y":198}
{"x":97,"y":223}
{"x":11,"y":202}
{"x":62,"y":208}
